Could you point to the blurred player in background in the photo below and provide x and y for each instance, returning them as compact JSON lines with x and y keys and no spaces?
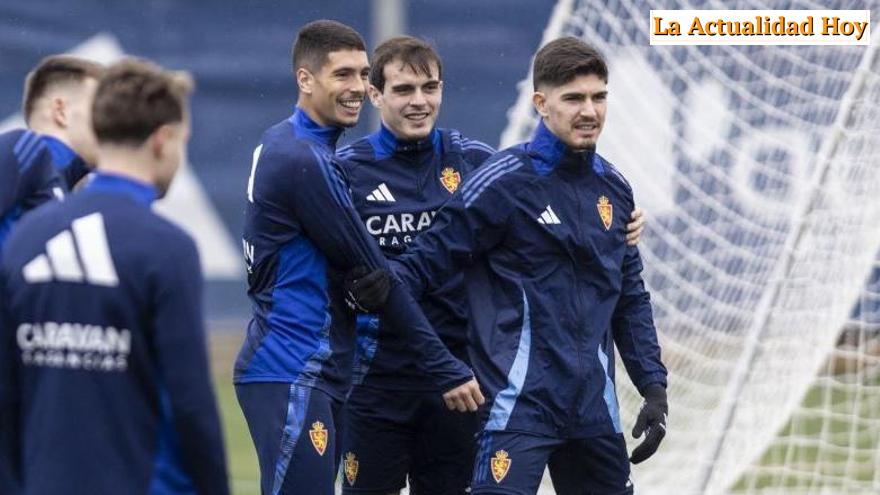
{"x":400,"y":176}
{"x":42,"y":163}
{"x":105,"y":386}
{"x":552,"y":287}
{"x":301,"y":236}
{"x":58,"y":105}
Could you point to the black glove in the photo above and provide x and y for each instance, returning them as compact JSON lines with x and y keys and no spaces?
{"x":365,"y":290}
{"x":651,"y":422}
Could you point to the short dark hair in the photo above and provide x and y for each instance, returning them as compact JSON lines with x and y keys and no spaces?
{"x":561,"y":60}
{"x":319,"y":38}
{"x":54,"y":70}
{"x":134,"y":98}
{"x":417,"y":54}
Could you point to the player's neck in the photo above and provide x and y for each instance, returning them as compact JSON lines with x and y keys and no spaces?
{"x":40,"y":126}
{"x":128,"y":162}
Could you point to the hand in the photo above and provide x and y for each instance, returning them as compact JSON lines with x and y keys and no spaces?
{"x":634,"y":229}
{"x":366,"y":291}
{"x":465,"y":397}
{"x":652,"y":422}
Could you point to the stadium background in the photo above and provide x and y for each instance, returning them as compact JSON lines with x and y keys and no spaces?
{"x":725,"y":145}
{"x":239,"y":54}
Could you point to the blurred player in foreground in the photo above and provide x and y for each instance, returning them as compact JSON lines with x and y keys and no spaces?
{"x":552,"y":288}
{"x":44,"y":162}
{"x":104,"y":386}
{"x":400,"y":176}
{"x":301,"y":236}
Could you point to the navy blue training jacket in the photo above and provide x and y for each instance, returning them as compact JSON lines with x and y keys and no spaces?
{"x":398,"y":187}
{"x":551,"y":286}
{"x":27,"y":176}
{"x":301,"y":235}
{"x":104,"y":379}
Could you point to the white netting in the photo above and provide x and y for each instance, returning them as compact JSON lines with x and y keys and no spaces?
{"x":760,"y":170}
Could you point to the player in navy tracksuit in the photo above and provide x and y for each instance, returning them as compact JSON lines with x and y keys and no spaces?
{"x":395,"y":421}
{"x":105,"y":386}
{"x":57,"y":107}
{"x":551,"y":287}
{"x":301,"y":235}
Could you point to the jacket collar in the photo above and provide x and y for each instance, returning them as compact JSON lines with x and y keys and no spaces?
{"x":307,"y":128}
{"x":139,"y":191}
{"x":63,"y":155}
{"x":550,"y":152}
{"x":385,"y":143}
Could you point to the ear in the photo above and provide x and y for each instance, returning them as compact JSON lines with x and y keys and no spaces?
{"x":304,"y":80}
{"x":375,"y":96}
{"x":58,"y":109}
{"x":539,"y":100}
{"x":158,"y":141}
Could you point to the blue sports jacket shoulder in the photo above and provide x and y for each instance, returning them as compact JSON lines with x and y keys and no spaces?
{"x":27,"y":176}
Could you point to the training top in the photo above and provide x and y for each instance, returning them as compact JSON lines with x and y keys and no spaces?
{"x":105,"y":378}
{"x":551,"y":286}
{"x":397,"y":187}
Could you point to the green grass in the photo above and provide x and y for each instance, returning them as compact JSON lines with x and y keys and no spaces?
{"x":243,"y":470}
{"x":855,"y":420}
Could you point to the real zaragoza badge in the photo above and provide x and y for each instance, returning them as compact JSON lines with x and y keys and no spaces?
{"x":350,"y":465}
{"x":450,"y":179}
{"x":500,"y":465}
{"x":606,"y":211}
{"x":318,"y":434}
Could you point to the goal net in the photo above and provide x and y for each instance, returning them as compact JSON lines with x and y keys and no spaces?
{"x":759,"y":168}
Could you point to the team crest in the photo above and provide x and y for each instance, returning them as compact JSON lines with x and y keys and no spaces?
{"x":606,"y":211}
{"x":450,"y":179}
{"x":318,"y":434}
{"x":500,"y":465}
{"x":351,"y":468}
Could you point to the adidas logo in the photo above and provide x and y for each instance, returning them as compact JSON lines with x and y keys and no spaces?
{"x":60,"y":262}
{"x":381,"y":193}
{"x":548,"y":217}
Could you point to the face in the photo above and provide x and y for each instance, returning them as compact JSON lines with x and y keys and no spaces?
{"x":410,"y":101}
{"x":575,"y":111}
{"x":78,"y":113}
{"x":335,"y":94}
{"x":169,"y":145}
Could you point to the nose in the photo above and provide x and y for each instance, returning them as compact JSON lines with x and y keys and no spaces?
{"x":359,"y":86}
{"x":418,"y":98}
{"x":588,"y":110}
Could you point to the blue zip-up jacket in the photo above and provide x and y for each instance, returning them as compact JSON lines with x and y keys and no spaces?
{"x":67,"y":163}
{"x":551,"y":286}
{"x":105,"y":384}
{"x":397,"y":188}
{"x":27,"y":177}
{"x":301,"y":235}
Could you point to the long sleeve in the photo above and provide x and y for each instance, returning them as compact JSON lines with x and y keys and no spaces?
{"x":9,"y":400}
{"x":633,"y":327}
{"x":323,"y":206}
{"x":471,"y":223}
{"x":179,"y":342}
